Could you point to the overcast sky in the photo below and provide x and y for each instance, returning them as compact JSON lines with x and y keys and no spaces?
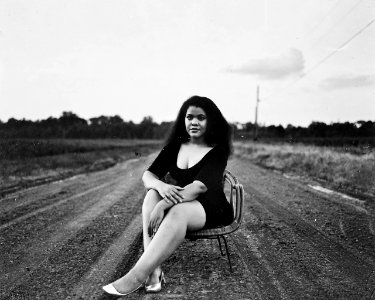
{"x":136,"y":58}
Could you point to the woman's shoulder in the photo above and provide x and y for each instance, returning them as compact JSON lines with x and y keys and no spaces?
{"x":219,"y":150}
{"x":220,"y":147}
{"x":171,"y":146}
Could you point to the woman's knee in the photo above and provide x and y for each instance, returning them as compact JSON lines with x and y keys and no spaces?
{"x":191,"y":214}
{"x":151,"y":199}
{"x":177,"y":211}
{"x":182,"y":212}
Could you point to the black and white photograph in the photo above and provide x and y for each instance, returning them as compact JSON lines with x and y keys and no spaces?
{"x":202,"y":149}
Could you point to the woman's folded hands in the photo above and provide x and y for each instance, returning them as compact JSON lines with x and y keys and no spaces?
{"x":171,"y":193}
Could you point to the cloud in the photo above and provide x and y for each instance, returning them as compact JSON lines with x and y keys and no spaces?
{"x":348,"y":81}
{"x":278,"y":67}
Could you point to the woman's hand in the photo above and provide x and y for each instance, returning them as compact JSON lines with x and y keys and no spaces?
{"x":171,"y":193}
{"x":156,"y":217}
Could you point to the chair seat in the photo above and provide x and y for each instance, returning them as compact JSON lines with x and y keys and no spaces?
{"x":213,"y":232}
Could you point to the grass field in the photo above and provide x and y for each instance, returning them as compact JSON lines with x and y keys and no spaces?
{"x":26,"y":162}
{"x":344,"y":171}
{"x":26,"y":148}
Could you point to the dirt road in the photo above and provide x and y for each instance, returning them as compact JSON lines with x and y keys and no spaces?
{"x":64,"y":240}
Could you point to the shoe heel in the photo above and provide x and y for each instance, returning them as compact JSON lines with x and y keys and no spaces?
{"x":156,"y":288}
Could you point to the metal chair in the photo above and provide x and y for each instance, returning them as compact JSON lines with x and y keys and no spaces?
{"x":236,"y":198}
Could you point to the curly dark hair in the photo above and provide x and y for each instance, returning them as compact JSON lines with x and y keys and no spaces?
{"x":218,"y":131}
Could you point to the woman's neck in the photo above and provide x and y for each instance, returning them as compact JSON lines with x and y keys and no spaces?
{"x":197,"y":142}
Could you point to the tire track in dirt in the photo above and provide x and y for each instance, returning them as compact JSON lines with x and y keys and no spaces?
{"x":316,"y":236}
{"x":325,"y":213}
{"x":68,"y":209}
{"x":309,"y":262}
{"x":50,"y":261}
{"x":102,"y":271}
{"x":24,"y":202}
{"x":315,"y":264}
{"x":254,"y":265}
{"x":34,"y":232}
{"x":349,"y":220}
{"x":31,"y":194}
{"x":197,"y":270}
{"x":24,"y":216}
{"x":259,"y":271}
{"x":285,"y":248}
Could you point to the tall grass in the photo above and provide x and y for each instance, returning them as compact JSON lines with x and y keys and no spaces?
{"x":344,"y":171}
{"x":24,"y":148}
{"x":27,"y":162}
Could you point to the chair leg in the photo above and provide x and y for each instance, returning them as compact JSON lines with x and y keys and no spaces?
{"x":227,"y":251}
{"x":221,"y":250}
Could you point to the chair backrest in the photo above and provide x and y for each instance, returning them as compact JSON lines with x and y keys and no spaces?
{"x":236,"y":199}
{"x":236,"y":195}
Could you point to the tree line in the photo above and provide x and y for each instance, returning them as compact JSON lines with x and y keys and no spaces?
{"x":318,"y":133}
{"x":70,"y":125}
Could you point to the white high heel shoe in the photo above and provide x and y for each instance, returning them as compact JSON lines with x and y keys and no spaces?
{"x":110,"y":289}
{"x":155,"y":288}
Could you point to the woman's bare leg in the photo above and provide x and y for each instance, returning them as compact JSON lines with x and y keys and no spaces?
{"x":151,"y":199}
{"x":171,"y":233}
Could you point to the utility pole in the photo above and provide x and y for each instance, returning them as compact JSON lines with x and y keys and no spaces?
{"x":256,"y":116}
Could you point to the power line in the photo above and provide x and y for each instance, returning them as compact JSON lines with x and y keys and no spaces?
{"x":327,"y":57}
{"x":323,"y":19}
{"x":334,"y":25}
{"x":339,"y":48}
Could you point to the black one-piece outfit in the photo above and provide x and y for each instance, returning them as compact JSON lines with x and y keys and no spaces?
{"x":209,"y":170}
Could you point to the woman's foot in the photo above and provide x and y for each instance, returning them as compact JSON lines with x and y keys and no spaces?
{"x":154,"y":277}
{"x":128,"y":283}
{"x":154,"y":286}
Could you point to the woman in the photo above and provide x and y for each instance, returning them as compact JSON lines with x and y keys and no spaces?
{"x":194,"y":157}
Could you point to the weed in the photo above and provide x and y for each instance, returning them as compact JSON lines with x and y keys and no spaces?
{"x":346,"y":171}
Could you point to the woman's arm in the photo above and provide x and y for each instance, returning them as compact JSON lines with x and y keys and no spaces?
{"x":193,"y":190}
{"x":189,"y":193}
{"x":151,"y":181}
{"x":167,"y":191}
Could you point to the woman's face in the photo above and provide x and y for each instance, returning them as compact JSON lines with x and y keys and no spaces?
{"x":196,"y":122}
